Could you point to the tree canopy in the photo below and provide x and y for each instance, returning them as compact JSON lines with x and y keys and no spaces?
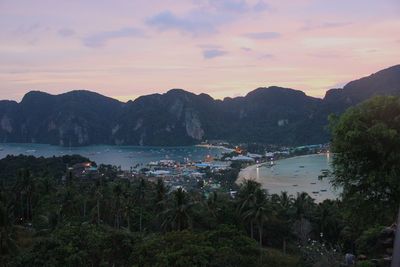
{"x":366,"y":164}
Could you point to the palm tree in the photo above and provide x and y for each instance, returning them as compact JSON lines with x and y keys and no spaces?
{"x":283,"y":204}
{"x":7,"y":243}
{"x":259,"y":212}
{"x":303,"y":207}
{"x":99,"y":196}
{"x":141,"y":197}
{"x":329,"y":220}
{"x":246,"y":200}
{"x":161,"y":193}
{"x":285,"y":201}
{"x":128,"y":208}
{"x":24,"y":188}
{"x":212,"y":204}
{"x":178,"y":216}
{"x":248,"y":187}
{"x":46,"y":185}
{"x":117,"y":192}
{"x":68,"y":206}
{"x":84,"y":197}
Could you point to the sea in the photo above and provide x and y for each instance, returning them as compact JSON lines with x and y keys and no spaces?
{"x":293,"y":175}
{"x":123,"y":156}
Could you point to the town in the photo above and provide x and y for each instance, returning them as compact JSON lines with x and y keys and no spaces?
{"x":208,"y":175}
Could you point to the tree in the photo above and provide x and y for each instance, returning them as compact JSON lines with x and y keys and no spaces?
{"x":212,"y":204}
{"x":25,"y":189}
{"x":259,"y":212}
{"x":303,"y":207}
{"x":160,"y":194}
{"x":329,"y":221}
{"x":283,"y":206}
{"x":99,"y":196}
{"x":246,"y":200}
{"x":128,"y":208}
{"x":178,"y":216}
{"x":7,"y":242}
{"x":366,"y":163}
{"x":141,"y":196}
{"x":117,"y":194}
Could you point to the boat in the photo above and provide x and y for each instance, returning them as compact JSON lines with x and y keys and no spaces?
{"x":295,"y":185}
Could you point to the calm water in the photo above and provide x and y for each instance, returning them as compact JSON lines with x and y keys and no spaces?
{"x":298,"y":174}
{"x":124,"y":156}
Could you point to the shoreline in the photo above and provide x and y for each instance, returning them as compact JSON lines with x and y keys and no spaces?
{"x":252,"y":167}
{"x":124,"y":156}
{"x":213,"y":146}
{"x":307,"y":182}
{"x":109,"y":145}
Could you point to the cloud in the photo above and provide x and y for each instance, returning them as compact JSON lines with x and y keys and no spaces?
{"x":206,"y":17}
{"x":28,"y":29}
{"x":261,"y":6}
{"x":210,"y":46}
{"x":230,"y":5}
{"x":267,"y":56}
{"x":246,"y":49}
{"x":101,"y":38}
{"x":326,"y":25}
{"x":335,"y":24}
{"x":197,"y":22}
{"x":326,"y":54}
{"x":262,"y":35}
{"x":65,"y":32}
{"x":213,"y":53}
{"x":238,"y":6}
{"x":31,"y":33}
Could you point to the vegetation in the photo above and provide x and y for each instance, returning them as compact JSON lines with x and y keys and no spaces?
{"x":366,"y":140}
{"x":107,"y":221}
{"x":49,"y":217}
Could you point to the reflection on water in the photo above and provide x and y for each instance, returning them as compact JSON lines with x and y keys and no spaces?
{"x":298,"y":174}
{"x":124,"y":156}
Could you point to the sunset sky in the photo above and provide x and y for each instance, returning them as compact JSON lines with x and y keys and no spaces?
{"x":128,"y":48}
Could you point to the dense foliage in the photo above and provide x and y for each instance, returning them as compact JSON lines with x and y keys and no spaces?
{"x":366,"y":140}
{"x":108,"y":221}
{"x":50,"y":217}
{"x":47,"y":221}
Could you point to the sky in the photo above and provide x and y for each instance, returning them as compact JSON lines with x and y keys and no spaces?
{"x":127,"y":48}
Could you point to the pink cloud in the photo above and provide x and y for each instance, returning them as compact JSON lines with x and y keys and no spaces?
{"x":303,"y":44}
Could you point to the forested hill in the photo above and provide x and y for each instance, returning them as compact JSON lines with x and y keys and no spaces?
{"x":272,"y":115}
